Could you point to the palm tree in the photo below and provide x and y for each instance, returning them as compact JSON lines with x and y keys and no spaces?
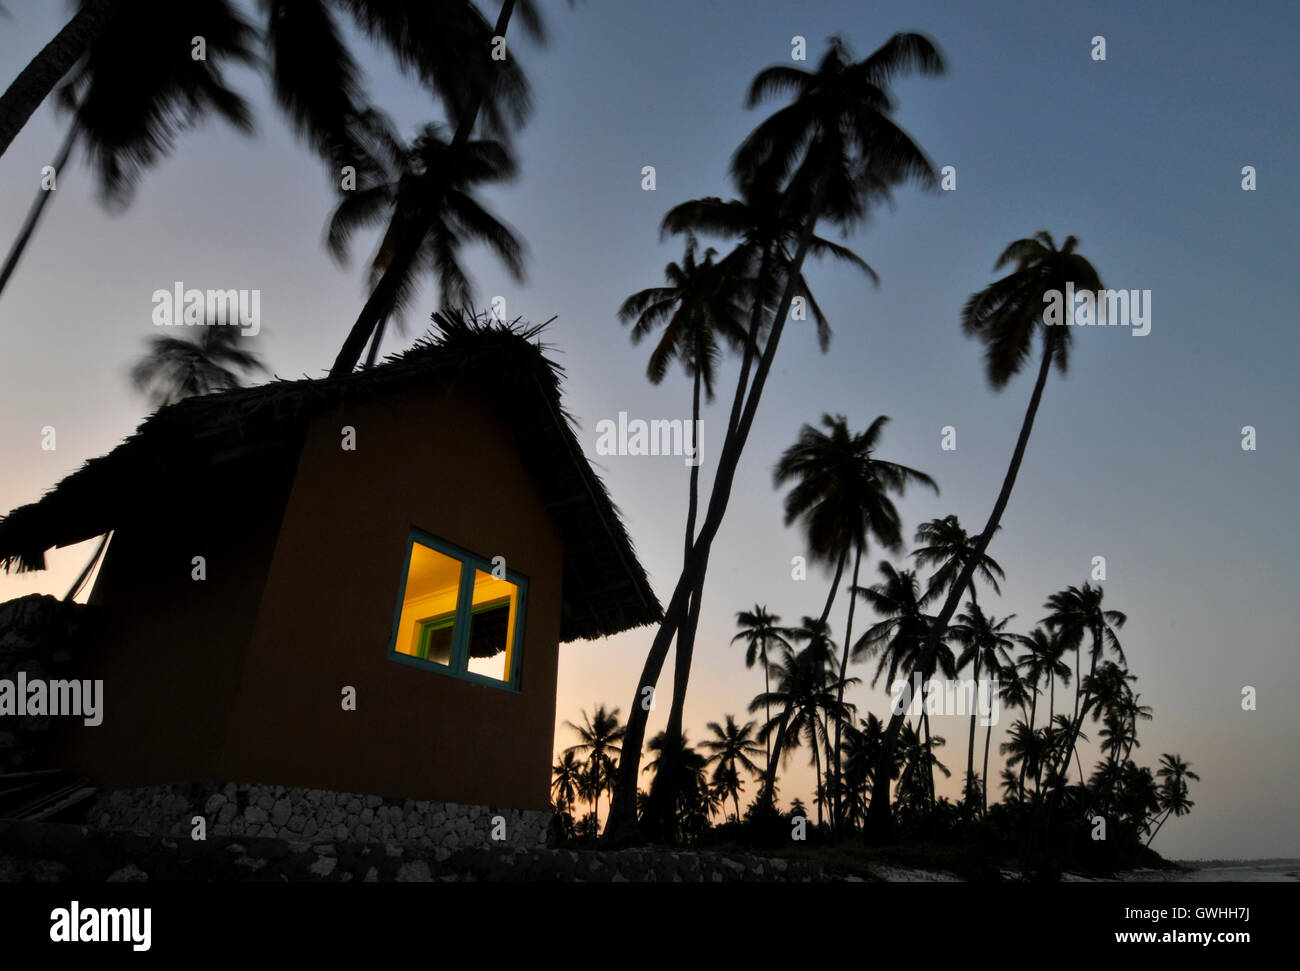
{"x":35,"y":82}
{"x":841,"y":498}
{"x":599,"y":736}
{"x":759,"y":631}
{"x":948,"y":547}
{"x":136,"y":87}
{"x":1077,"y":612}
{"x":1007,"y":316}
{"x":802,"y":693}
{"x":731,"y":749}
{"x":699,"y":309}
{"x":839,"y":122}
{"x":566,"y":782}
{"x":433,"y":186}
{"x":916,"y":783}
{"x":898,"y":637}
{"x":1173,"y":773}
{"x":985,"y":644}
{"x":483,"y":89}
{"x":181,"y":367}
{"x":694,"y":798}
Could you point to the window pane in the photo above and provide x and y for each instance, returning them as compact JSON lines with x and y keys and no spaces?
{"x":494,"y":614}
{"x":427,"y":627}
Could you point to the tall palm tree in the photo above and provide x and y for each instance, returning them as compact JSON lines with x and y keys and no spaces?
{"x":759,"y":631}
{"x":35,"y":82}
{"x":432,"y":185}
{"x":136,"y":87}
{"x":694,"y":798}
{"x":1173,"y":773}
{"x":841,"y":499}
{"x":700,"y":309}
{"x":843,"y":107}
{"x":480,"y":90}
{"x":1042,"y":660}
{"x":181,"y":367}
{"x":599,"y":736}
{"x":1007,"y":316}
{"x":1077,"y":613}
{"x":731,"y":749}
{"x":916,"y":783}
{"x":986,"y":645}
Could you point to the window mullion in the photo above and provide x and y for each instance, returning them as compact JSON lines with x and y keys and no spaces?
{"x":464,"y":602}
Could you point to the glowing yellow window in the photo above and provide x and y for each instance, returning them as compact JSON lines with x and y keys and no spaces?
{"x":459,"y":613}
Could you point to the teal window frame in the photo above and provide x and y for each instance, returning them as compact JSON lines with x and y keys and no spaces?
{"x":458,"y":667}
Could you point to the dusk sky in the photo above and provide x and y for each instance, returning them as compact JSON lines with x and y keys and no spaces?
{"x":1135,"y":456}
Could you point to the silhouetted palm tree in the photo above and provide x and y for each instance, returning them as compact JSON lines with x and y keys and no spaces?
{"x":599,"y":736}
{"x":1008,"y":317}
{"x":841,"y":499}
{"x":700,"y":309}
{"x":947,"y":547}
{"x":760,"y":632}
{"x":137,"y":87}
{"x":898,"y":638}
{"x":1077,"y":612}
{"x":985,"y":644}
{"x":1173,"y":773}
{"x":430,"y":194}
{"x":838,"y":122}
{"x":732,"y":748}
{"x":181,"y":367}
{"x":567,"y":781}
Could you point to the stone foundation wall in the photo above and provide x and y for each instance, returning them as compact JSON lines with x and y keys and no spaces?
{"x":287,"y":813}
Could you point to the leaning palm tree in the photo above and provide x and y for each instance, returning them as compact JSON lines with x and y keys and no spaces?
{"x":1076,"y":613}
{"x":430,"y":193}
{"x":731,"y":749}
{"x":985,"y":645}
{"x":599,"y":736}
{"x":136,"y":88}
{"x":841,"y":499}
{"x":946,"y":546}
{"x":839,"y":123}
{"x":1008,"y":317}
{"x":1173,"y":773}
{"x":182,"y":367}
{"x":480,"y":90}
{"x":136,"y":84}
{"x":759,"y":631}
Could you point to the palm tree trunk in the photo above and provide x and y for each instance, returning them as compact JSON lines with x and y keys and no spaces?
{"x":1079,"y":711}
{"x":663,"y":790}
{"x":623,"y":810}
{"x":879,"y":817}
{"x":988,"y":731}
{"x":38,"y":206}
{"x":970,"y":750}
{"x":35,"y":82}
{"x":839,"y":690}
{"x":373,"y":354}
{"x":90,"y":567}
{"x":769,"y":780}
{"x":380,"y":301}
{"x":1024,"y":763}
{"x":929,"y":750}
{"x":1158,"y":825}
{"x":817,"y":761}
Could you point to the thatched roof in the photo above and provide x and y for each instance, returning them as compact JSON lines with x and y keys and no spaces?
{"x":605,"y":588}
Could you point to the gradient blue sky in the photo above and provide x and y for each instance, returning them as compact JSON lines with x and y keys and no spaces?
{"x":1135,"y":456}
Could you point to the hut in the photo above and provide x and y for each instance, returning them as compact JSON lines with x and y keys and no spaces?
{"x":352,"y":585}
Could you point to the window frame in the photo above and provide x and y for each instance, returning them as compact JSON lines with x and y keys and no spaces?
{"x":458,"y":666}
